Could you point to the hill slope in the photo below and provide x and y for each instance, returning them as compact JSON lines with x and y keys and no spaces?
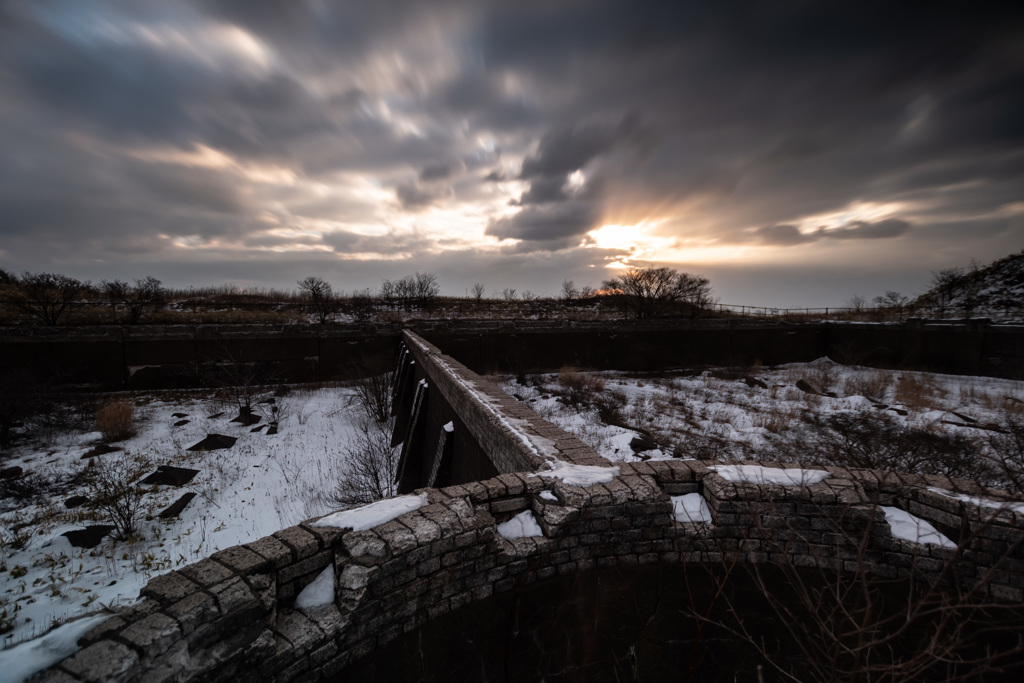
{"x":994,"y":291}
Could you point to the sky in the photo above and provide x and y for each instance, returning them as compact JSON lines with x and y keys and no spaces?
{"x":796,"y":153}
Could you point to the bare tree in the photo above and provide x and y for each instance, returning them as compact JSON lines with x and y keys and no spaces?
{"x":569,"y":292}
{"x":477,"y":291}
{"x":373,"y":395}
{"x":944,"y":285}
{"x":419,"y":289}
{"x":857,"y":302}
{"x":372,"y":466}
{"x":321,"y":297}
{"x":508,"y":294}
{"x":427,"y":289}
{"x":147,"y":294}
{"x":650,"y":292}
{"x":47,"y":296}
{"x":114,"y":490}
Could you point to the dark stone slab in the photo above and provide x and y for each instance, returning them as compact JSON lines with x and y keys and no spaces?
{"x":213,"y":442}
{"x":641,"y":443}
{"x":257,"y":429}
{"x":75,"y":501}
{"x":805,"y":386}
{"x":181,"y":423}
{"x":167,"y":475}
{"x":754,"y":382}
{"x":175,"y":508}
{"x":247,"y":420}
{"x":272,"y":430}
{"x":10,"y":472}
{"x":89,"y":537}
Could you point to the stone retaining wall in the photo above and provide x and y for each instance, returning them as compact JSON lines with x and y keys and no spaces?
{"x":232,"y":616}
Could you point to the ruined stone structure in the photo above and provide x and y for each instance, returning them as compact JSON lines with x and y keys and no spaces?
{"x":486,"y":458}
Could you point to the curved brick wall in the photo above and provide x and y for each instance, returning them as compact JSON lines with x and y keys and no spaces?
{"x":233,"y":616}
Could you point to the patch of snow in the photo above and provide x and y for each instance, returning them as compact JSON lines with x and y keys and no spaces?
{"x":523,"y":525}
{"x":548,"y":495}
{"x":691,"y":508}
{"x":907,"y":527}
{"x":580,"y":475}
{"x":319,"y":593}
{"x":981,"y":502}
{"x":373,"y":514}
{"x":450,"y":427}
{"x":756,"y":474}
{"x":26,"y":659}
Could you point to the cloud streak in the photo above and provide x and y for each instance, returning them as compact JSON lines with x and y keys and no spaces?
{"x":224,"y":128}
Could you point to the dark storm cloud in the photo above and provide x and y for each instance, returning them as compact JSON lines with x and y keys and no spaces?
{"x":713,"y":117}
{"x":436,"y":172}
{"x":555,"y":224}
{"x":787,"y":235}
{"x":413,"y":196}
{"x":567,"y":149}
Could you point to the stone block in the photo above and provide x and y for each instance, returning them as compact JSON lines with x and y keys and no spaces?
{"x":365,"y":547}
{"x":299,"y":630}
{"x":328,"y":536}
{"x":315,"y":563}
{"x":237,"y":603}
{"x":398,"y":537}
{"x":198,"y":608}
{"x":422,"y":528}
{"x":153,"y":635}
{"x":241,"y":560}
{"x":104,"y":662}
{"x":169,"y":587}
{"x":301,"y":541}
{"x":273,"y":550}
{"x":206,"y":572}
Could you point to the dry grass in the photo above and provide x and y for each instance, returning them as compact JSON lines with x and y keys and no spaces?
{"x":872,"y":384}
{"x":917,"y":391}
{"x":579,"y":389}
{"x":115,"y":420}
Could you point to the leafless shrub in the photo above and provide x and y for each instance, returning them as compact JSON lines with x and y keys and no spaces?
{"x":854,"y":625}
{"x":610,"y":405}
{"x":1008,"y":452}
{"x":114,"y":490}
{"x":373,"y":395}
{"x":878,"y":441}
{"x":115,"y":420}
{"x":578,"y":389}
{"x":870,"y":383}
{"x":917,"y":390}
{"x":372,"y":465}
{"x":823,"y":377}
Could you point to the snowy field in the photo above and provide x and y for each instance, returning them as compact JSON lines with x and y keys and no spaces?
{"x":265,"y":482}
{"x":774,"y":413}
{"x":259,"y":485}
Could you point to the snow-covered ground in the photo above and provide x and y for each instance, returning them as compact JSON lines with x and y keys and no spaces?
{"x":736,"y":414}
{"x":261,"y":484}
{"x":264,"y":483}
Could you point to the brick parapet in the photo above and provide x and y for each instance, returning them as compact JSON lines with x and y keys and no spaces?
{"x":233,"y":615}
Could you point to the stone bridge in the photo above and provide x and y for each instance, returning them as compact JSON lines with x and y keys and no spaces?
{"x":440,"y":587}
